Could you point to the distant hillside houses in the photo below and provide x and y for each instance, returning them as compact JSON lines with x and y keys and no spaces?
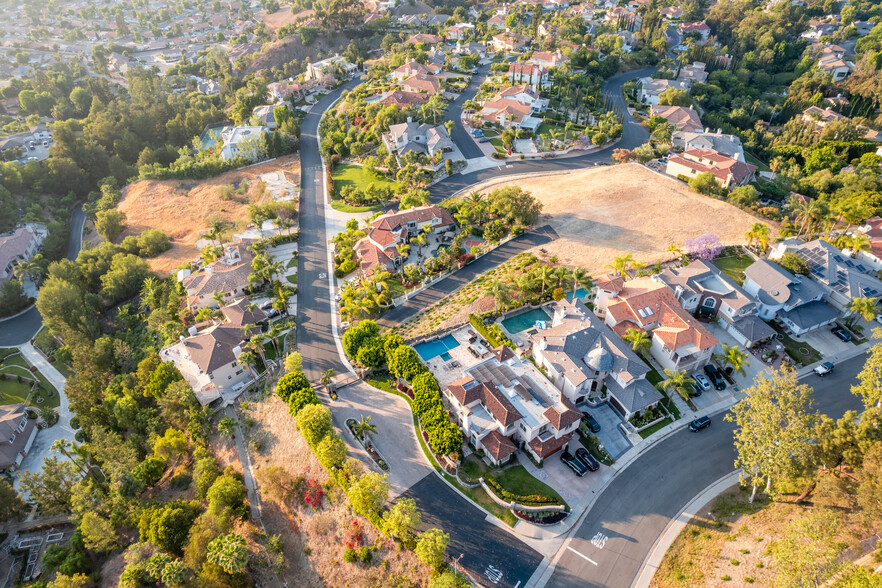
{"x":729,"y":172}
{"x":651,"y":89}
{"x":241,"y":141}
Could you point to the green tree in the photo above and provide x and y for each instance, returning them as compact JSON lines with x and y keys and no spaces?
{"x":413,"y":199}
{"x":402,"y":519}
{"x":733,"y":356}
{"x":675,"y":97}
{"x":171,"y":445}
{"x":431,"y":547}
{"x":51,"y":487}
{"x":369,"y":493}
{"x":869,"y":490}
{"x":150,"y":470}
{"x":807,"y":554}
{"x":364,"y":430}
{"x":294,"y":362}
{"x":405,"y":363}
{"x":227,"y":497}
{"x":99,"y":534}
{"x":314,"y":421}
{"x":773,"y":429}
{"x":639,"y":339}
{"x":110,"y":223}
{"x":227,"y":427}
{"x":705,"y":183}
{"x":331,"y":451}
{"x":794,"y":264}
{"x":865,"y":307}
{"x":678,"y":381}
{"x":870,"y":378}
{"x":230,"y":552}
{"x":12,"y":507}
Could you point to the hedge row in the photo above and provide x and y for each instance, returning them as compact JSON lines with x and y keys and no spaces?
{"x":531,"y":500}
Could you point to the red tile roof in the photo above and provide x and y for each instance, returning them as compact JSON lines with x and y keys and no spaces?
{"x":550,"y":447}
{"x":498,"y":446}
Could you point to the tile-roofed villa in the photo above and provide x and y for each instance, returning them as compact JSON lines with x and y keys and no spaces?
{"x":17,"y":434}
{"x":229,"y":275}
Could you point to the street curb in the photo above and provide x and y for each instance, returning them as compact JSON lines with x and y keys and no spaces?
{"x":675,"y":526}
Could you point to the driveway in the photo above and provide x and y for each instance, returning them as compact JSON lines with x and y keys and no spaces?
{"x":395,"y":438}
{"x":614,"y":441}
{"x":572,"y":488}
{"x":826,"y":342}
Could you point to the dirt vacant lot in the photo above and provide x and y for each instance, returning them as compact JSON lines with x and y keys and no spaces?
{"x":601,"y":213}
{"x":184,"y":208}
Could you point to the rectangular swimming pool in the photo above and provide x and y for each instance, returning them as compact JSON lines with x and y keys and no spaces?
{"x":525,"y":320}
{"x":431,"y":349}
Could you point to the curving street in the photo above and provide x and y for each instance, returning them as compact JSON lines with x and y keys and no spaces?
{"x":19,"y":329}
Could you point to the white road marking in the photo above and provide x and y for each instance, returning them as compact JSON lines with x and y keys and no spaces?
{"x":582,"y":555}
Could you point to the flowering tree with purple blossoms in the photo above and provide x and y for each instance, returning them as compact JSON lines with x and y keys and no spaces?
{"x":705,"y":247}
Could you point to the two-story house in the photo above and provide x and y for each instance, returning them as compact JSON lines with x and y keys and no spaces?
{"x":17,"y":434}
{"x":651,"y":89}
{"x":228,"y":275}
{"x":527,"y":73}
{"x":679,"y":342}
{"x":419,"y":138}
{"x":19,"y":245}
{"x":504,"y":403}
{"x":701,"y":287}
{"x":582,"y":355}
{"x":796,"y":301}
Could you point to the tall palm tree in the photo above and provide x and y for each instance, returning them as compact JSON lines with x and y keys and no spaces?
{"x":733,"y":356}
{"x":622,"y":263}
{"x":563,"y":276}
{"x":639,"y":339}
{"x":581,"y":279}
{"x":327,"y":376}
{"x":672,"y":248}
{"x":859,"y":242}
{"x":149,"y":293}
{"x":62,"y":445}
{"x":273,"y":335}
{"x":27,"y":269}
{"x":218,"y":227}
{"x":545,"y":277}
{"x":866,"y":307}
{"x":219,"y":297}
{"x":249,"y":360}
{"x":364,"y":430}
{"x":679,"y":382}
{"x":499,"y":290}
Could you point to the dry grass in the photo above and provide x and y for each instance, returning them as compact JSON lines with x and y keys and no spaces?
{"x":184,"y":208}
{"x":284,"y":16}
{"x":319,"y":533}
{"x":601,"y":213}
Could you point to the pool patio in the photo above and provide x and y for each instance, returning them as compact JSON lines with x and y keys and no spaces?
{"x":519,"y":324}
{"x":448,"y":370}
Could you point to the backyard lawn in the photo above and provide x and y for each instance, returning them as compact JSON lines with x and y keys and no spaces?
{"x":14,"y":392}
{"x":347,"y":174}
{"x":733,"y":266}
{"x":751,"y":158}
{"x":518,"y":480}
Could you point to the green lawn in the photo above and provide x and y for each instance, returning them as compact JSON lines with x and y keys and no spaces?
{"x":13,"y":392}
{"x":800,"y":351}
{"x":291,"y":263}
{"x":292,"y":279}
{"x":497,"y":143}
{"x":347,"y":174}
{"x":751,"y":158}
{"x":518,"y":480}
{"x":341,"y":206}
{"x":545,"y":129}
{"x":734,"y":266}
{"x":647,"y":432}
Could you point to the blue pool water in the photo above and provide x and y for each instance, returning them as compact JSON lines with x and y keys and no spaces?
{"x":430,"y":349}
{"x":581,"y":293}
{"x":525,"y":320}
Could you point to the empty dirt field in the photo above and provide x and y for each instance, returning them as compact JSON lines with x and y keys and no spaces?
{"x":185,"y":208}
{"x":601,"y":213}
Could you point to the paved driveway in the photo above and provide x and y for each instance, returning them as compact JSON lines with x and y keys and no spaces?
{"x":572,"y":488}
{"x":825,"y":342}
{"x":395,"y":438}
{"x":614,"y":441}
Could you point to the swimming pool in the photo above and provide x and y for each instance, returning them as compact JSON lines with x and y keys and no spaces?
{"x":431,"y":349}
{"x":525,"y":320}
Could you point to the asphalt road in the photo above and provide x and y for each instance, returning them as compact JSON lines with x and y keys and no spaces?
{"x":463,"y":276}
{"x":460,"y":136}
{"x":633,"y":135}
{"x":633,"y":511}
{"x":470,"y":534}
{"x":20,"y":328}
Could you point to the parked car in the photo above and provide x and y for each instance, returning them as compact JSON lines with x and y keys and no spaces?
{"x":590,"y":422}
{"x":574,"y":464}
{"x":702,"y":381}
{"x":715,"y":376}
{"x":824,"y":369}
{"x":841,"y":333}
{"x":587,"y":459}
{"x":266,"y":304}
{"x":699,"y":424}
{"x":477,"y":132}
{"x":484,"y":140}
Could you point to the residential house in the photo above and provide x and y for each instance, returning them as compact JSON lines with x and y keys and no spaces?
{"x":651,"y":89}
{"x":547,"y":59}
{"x":425,"y":83}
{"x":796,"y":301}
{"x":379,"y":249}
{"x":209,"y":87}
{"x":528,"y":73}
{"x":17,"y":434}
{"x":514,"y":106}
{"x":863,"y":27}
{"x":581,"y":355}
{"x":672,"y":12}
{"x":729,"y":145}
{"x":684,"y":119}
{"x":509,"y":42}
{"x":209,"y":359}
{"x":496,"y":21}
{"x":841,"y":277}
{"x":701,"y":287}
{"x":470,"y":48}
{"x":459,"y":31}
{"x":118,"y":64}
{"x":546,"y":29}
{"x":330,"y":65}
{"x":700,"y":28}
{"x":19,"y":245}
{"x":833,"y":62}
{"x":413,"y":68}
{"x":504,"y":403}
{"x":239,"y":141}
{"x":679,"y":342}
{"x":427,"y":38}
{"x":229,"y":275}
{"x":818,"y":29}
{"x":729,"y":172}
{"x":821,"y":116}
{"x":692,"y":74}
{"x":285,"y":90}
{"x":265,"y":116}
{"x":403,"y":99}
{"x":419,"y":138}
{"x":872,"y":228}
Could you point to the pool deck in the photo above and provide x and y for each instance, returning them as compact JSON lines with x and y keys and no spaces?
{"x":521,"y":338}
{"x":449,"y":371}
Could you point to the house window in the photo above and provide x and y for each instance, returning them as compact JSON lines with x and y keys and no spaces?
{"x":23,"y":424}
{"x":709,"y":303}
{"x":12,"y":439}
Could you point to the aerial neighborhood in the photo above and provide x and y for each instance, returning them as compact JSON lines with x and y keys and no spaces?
{"x":452,"y":294}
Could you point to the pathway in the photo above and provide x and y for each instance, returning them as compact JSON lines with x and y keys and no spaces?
{"x":247,"y":474}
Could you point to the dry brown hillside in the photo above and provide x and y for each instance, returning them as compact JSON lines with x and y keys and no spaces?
{"x":184,"y":208}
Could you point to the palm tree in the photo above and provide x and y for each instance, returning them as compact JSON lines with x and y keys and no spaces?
{"x":759,"y":232}
{"x":734,"y":356}
{"x":149,"y":293}
{"x":327,"y":376}
{"x":866,"y":307}
{"x":581,"y":279}
{"x":545,"y":277}
{"x":499,"y":290}
{"x":859,"y":242}
{"x":679,"y":382}
{"x":672,"y":248}
{"x":622,"y":263}
{"x":27,"y":269}
{"x":273,"y":335}
{"x":248,"y":359}
{"x":639,"y":339}
{"x":220,"y":298}
{"x":62,"y":445}
{"x":563,"y":276}
{"x":364,"y":430}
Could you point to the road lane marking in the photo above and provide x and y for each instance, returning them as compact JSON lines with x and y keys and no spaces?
{"x":582,"y":555}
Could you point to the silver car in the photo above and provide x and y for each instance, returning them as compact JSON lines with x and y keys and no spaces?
{"x":702,"y":381}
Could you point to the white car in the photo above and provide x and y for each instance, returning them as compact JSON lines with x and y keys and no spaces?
{"x":824,"y":369}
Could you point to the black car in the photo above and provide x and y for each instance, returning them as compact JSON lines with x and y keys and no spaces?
{"x":715,"y":376}
{"x":699,"y":424}
{"x":587,"y":459}
{"x":590,"y":422}
{"x":841,"y":333}
{"x":574,"y":464}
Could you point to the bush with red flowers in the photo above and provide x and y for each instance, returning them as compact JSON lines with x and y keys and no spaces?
{"x":352,"y":537}
{"x":312,"y":494}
